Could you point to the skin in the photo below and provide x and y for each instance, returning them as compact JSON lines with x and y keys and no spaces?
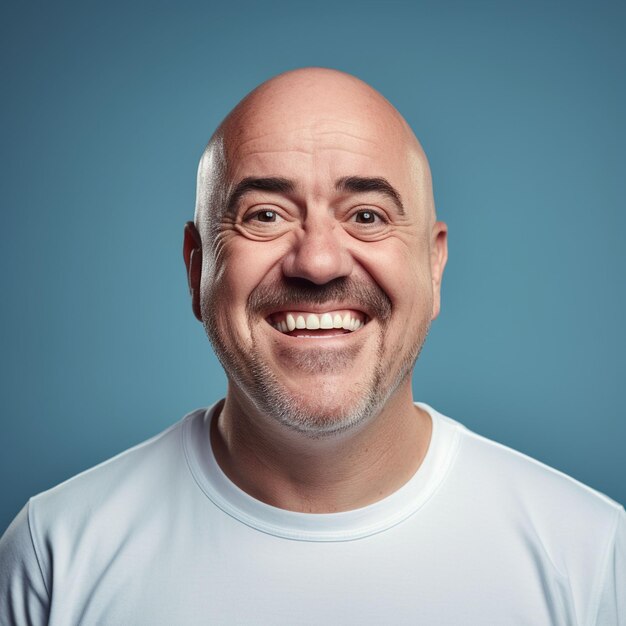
{"x":322,"y":423}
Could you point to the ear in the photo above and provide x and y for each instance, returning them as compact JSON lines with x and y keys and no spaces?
{"x":192,"y":252}
{"x":438,"y":258}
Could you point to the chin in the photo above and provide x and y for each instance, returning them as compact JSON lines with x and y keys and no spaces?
{"x":318,"y":393}
{"x":317,"y":419}
{"x":322,"y":409}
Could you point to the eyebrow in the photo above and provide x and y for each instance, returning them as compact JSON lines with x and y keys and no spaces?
{"x":251,"y":183}
{"x":360,"y":184}
{"x":353,"y":184}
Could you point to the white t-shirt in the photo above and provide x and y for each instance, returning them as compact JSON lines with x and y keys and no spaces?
{"x":480,"y":535}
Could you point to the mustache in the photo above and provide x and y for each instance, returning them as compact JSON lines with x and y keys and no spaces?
{"x":298,"y":291}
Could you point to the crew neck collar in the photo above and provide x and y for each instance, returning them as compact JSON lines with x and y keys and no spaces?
{"x":343,"y":526}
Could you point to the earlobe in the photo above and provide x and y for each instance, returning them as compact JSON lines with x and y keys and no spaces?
{"x":192,"y":253}
{"x":438,"y":259}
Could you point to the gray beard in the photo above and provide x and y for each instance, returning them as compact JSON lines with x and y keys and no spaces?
{"x":261,"y":386}
{"x":316,"y":420}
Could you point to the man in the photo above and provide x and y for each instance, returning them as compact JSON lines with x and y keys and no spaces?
{"x":317,"y":491}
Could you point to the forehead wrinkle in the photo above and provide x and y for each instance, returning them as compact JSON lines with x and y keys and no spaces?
{"x":357,"y":137}
{"x":309,"y":133}
{"x":312,"y":152}
{"x":291,"y":150}
{"x":309,"y":145}
{"x":248,"y":148}
{"x":311,"y":123}
{"x":367,"y":129}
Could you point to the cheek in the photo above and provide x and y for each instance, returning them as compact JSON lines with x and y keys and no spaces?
{"x":405,"y":278}
{"x":237,"y":268}
{"x":402,"y":273}
{"x":244,"y":264}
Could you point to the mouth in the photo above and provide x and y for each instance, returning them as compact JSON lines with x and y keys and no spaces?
{"x":317,"y":324}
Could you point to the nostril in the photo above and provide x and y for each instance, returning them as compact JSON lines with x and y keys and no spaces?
{"x":301,"y":284}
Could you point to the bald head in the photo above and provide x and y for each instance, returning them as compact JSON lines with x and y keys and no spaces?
{"x":314,"y":199}
{"x":322,"y":115}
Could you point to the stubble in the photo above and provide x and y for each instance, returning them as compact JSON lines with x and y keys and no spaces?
{"x":319,"y":414}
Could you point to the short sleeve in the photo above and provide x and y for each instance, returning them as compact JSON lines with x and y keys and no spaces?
{"x":612,"y":601}
{"x":23,"y":596}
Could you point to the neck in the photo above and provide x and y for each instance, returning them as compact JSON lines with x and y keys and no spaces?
{"x":336,"y":473}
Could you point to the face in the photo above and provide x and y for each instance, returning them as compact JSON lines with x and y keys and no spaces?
{"x":320,"y":283}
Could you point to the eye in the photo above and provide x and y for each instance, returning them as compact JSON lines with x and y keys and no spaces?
{"x":367,"y":223}
{"x":262,"y":222}
{"x":266,"y":216}
{"x":367,"y":216}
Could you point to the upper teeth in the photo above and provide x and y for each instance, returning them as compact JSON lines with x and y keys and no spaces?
{"x":348,"y":320}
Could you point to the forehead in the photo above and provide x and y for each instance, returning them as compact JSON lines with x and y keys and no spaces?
{"x":317,"y":147}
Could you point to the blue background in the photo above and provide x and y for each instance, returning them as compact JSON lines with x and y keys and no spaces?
{"x":105,"y":111}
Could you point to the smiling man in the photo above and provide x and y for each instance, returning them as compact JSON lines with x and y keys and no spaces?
{"x":317,"y":491}
{"x":315,"y":264}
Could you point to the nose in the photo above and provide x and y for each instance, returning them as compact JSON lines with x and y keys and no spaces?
{"x":319,"y":254}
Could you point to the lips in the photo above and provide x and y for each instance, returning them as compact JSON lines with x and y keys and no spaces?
{"x":347,"y":320}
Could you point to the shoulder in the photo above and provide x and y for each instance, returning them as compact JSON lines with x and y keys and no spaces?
{"x":24,"y":585}
{"x":109,"y":498}
{"x":81,"y":522}
{"x":568,"y":528}
{"x":569,"y":521}
{"x":143,"y":464}
{"x":537,"y":484}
